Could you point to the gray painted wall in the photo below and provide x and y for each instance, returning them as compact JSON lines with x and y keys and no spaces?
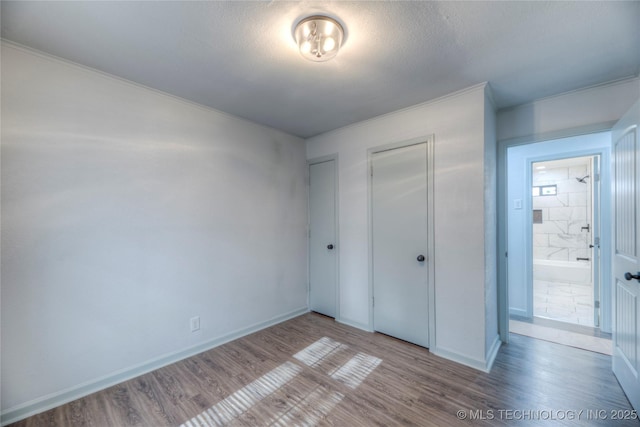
{"x":125,"y":212}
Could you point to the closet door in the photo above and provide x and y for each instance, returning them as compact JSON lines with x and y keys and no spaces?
{"x":322,"y":238}
{"x":399,"y":247}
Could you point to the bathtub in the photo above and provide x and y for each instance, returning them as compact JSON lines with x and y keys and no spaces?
{"x":562,"y":271}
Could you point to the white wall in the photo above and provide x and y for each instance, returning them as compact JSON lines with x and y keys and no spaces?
{"x":458,"y":123}
{"x":592,"y":106}
{"x":125,"y":212}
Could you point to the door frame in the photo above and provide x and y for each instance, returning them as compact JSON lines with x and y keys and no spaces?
{"x":503,"y":146}
{"x":596,"y":266}
{"x":429,"y":140}
{"x":310,"y":162}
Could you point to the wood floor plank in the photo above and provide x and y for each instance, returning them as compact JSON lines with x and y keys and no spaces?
{"x":313,"y":371}
{"x":147,"y":396}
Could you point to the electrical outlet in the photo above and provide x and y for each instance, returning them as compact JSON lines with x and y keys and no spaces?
{"x":195,"y":323}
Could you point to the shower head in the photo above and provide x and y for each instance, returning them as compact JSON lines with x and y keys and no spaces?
{"x":582,"y":180}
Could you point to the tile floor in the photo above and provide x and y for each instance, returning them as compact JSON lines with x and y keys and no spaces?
{"x":564,"y":302}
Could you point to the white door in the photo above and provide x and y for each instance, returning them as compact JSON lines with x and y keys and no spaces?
{"x":399,"y":243}
{"x":626,"y":256}
{"x":322,"y":237}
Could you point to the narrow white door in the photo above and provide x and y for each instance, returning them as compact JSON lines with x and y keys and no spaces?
{"x":399,"y":234}
{"x":626,"y":257}
{"x":322,"y":238}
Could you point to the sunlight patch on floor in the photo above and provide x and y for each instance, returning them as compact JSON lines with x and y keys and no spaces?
{"x":242,"y":400}
{"x":318,"y":351}
{"x":312,"y":409}
{"x":356,"y":370}
{"x":307,"y":409}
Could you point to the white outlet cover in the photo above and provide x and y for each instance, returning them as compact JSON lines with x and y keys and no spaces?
{"x":517,"y":203}
{"x":195,"y":324}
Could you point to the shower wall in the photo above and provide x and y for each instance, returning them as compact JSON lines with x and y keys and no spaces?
{"x":561,"y":234}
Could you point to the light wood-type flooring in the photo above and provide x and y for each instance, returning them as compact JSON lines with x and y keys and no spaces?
{"x":313,"y":371}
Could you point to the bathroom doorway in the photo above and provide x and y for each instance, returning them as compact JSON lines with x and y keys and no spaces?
{"x":566,"y":240}
{"x":559,"y":240}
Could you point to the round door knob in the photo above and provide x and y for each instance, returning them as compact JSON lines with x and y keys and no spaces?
{"x":329,"y":247}
{"x":630,"y":276}
{"x":420,"y":258}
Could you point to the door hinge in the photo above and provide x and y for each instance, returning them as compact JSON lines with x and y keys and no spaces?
{"x":596,"y":177}
{"x":373,"y":301}
{"x":506,"y":254}
{"x":371,"y":168}
{"x":596,"y":304}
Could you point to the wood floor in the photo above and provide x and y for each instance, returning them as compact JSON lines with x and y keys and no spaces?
{"x":314,"y":371}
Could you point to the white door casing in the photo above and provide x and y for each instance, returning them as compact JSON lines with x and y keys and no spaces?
{"x":594,"y":245}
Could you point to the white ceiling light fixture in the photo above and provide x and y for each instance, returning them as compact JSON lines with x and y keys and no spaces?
{"x":319,"y":37}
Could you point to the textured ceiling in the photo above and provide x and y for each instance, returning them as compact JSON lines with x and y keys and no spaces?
{"x":240,"y":57}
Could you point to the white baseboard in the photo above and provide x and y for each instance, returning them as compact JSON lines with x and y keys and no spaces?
{"x":53,"y":400}
{"x":357,"y":325}
{"x":493,"y":352}
{"x":481,"y":365}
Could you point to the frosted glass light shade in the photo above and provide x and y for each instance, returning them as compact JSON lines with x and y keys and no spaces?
{"x":319,"y":38}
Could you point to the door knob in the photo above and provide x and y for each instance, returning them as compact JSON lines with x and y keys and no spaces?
{"x":630,"y":276}
{"x":329,"y":247}
{"x":420,"y":258}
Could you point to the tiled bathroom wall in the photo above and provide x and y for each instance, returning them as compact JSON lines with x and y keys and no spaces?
{"x":560,"y":235}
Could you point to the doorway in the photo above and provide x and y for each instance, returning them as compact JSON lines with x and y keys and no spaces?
{"x":566,"y":236}
{"x":545,"y":236}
